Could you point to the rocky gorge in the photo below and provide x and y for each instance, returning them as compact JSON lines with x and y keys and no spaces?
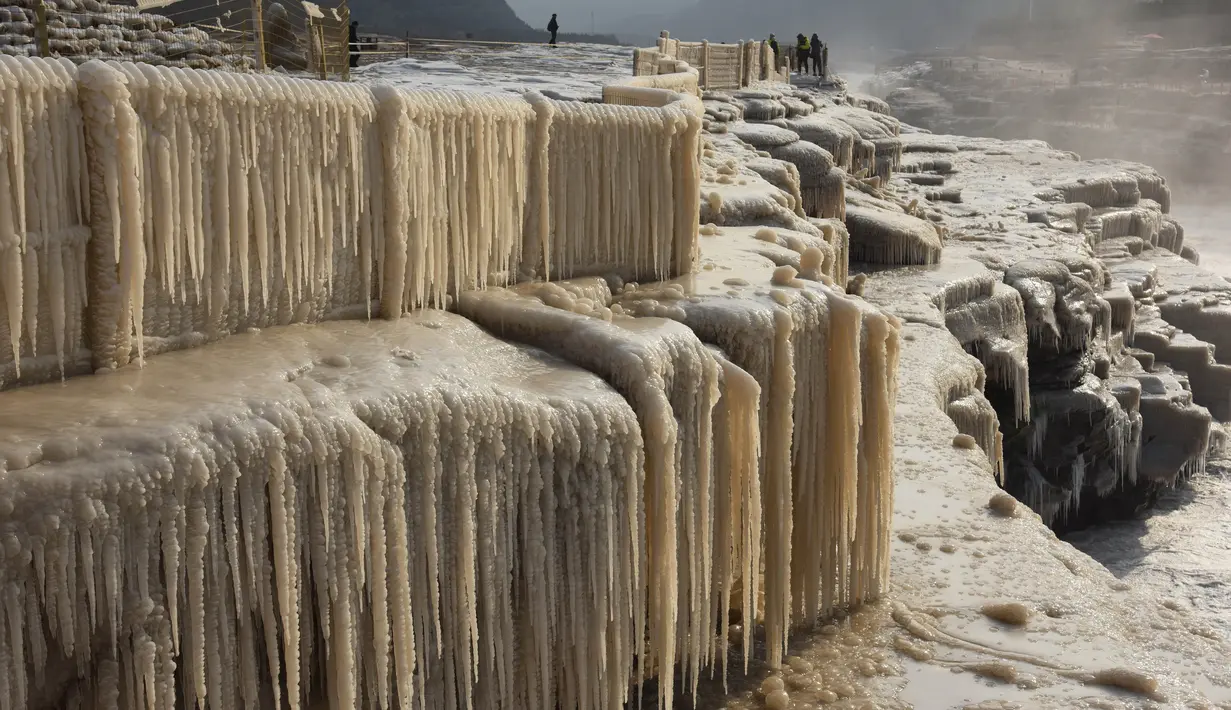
{"x":1053,"y":312}
{"x":1066,"y":279}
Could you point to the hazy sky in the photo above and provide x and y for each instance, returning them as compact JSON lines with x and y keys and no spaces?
{"x":575,"y":14}
{"x":880,"y":23}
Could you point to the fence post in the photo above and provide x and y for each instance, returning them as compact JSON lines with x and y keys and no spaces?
{"x":346,"y":43}
{"x":320,"y":39}
{"x":745,"y":63}
{"x":40,"y":30}
{"x":258,"y":22}
{"x":408,"y":44}
{"x":705,"y":61}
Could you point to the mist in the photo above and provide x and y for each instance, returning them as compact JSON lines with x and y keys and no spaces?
{"x":1148,"y":82}
{"x":868,"y":25}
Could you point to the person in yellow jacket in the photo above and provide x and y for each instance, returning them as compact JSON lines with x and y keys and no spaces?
{"x":802,"y":52}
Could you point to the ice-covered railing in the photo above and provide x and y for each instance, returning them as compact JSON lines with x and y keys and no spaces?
{"x":675,"y":82}
{"x":633,"y":191}
{"x":721,"y":66}
{"x":44,"y":211}
{"x":225,"y":202}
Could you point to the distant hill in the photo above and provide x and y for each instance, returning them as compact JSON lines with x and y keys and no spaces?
{"x":481,"y":18}
{"x":491,"y":20}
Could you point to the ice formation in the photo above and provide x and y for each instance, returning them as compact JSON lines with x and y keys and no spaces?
{"x":411,"y":513}
{"x":320,"y":495}
{"x":295,"y":201}
{"x":884,"y":237}
{"x":232,"y":201}
{"x":815,"y":457}
{"x":44,"y":207}
{"x":599,"y":221}
{"x":672,"y":382}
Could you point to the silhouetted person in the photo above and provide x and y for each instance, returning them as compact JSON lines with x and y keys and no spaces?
{"x":773,"y":44}
{"x":802,"y":52}
{"x":354,"y":43}
{"x":553,"y":27}
{"x":281,"y":46}
{"x":816,"y":54}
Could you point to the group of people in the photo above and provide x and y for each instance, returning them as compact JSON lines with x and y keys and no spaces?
{"x":808,"y":53}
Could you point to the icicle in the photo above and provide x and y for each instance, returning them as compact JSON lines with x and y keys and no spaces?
{"x":40,"y":204}
{"x":776,"y":490}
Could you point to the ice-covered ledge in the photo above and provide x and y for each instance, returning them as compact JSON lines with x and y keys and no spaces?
{"x":331,"y":474}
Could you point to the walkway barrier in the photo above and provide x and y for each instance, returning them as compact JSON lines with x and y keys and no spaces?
{"x":188,"y":205}
{"x":676,"y":82}
{"x":719,"y":66}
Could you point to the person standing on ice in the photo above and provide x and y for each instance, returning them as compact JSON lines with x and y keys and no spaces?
{"x":802,"y":52}
{"x":553,"y":27}
{"x":816,"y":54}
{"x":354,"y":43}
{"x":773,"y":44}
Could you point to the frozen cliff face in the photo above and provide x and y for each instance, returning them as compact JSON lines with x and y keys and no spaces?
{"x":317,"y":489}
{"x":1026,"y":282}
{"x":1023,"y":285}
{"x":1076,"y":328}
{"x":796,"y":337}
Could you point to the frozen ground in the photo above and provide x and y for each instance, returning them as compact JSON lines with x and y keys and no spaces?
{"x":572,"y":70}
{"x":1183,"y":548}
